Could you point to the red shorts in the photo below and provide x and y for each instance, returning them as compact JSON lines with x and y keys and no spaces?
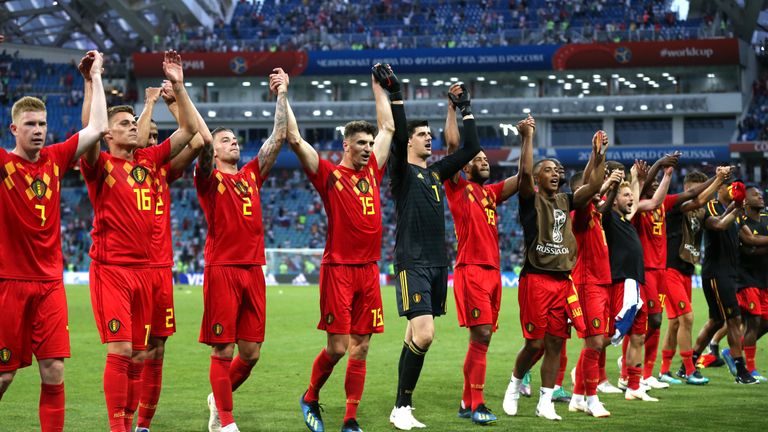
{"x":653,"y":290}
{"x":350,"y":299}
{"x":122,"y":303}
{"x":640,"y":325}
{"x":234,"y":304}
{"x":753,"y":301}
{"x":477,"y":290}
{"x":163,"y":314}
{"x":33,"y":320}
{"x":678,"y":298}
{"x":543,"y":299}
{"x":596,"y":305}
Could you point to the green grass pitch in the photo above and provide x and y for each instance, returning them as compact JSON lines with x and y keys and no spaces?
{"x":268,"y":401}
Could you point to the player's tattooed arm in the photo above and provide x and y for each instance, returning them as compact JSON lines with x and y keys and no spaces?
{"x":144,"y":124}
{"x":384,"y":122}
{"x":706,"y":190}
{"x":583,"y":195}
{"x":278,"y":84}
{"x":205,"y":161}
{"x":96,"y":124}
{"x":187,"y":124}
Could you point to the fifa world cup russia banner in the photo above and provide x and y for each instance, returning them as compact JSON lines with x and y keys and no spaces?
{"x":628,"y":154}
{"x":704,"y":52}
{"x":224,"y":64}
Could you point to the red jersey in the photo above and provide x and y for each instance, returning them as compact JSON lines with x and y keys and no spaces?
{"x":162,"y":249}
{"x":124,"y":205}
{"x":352,"y":202}
{"x":232,"y":207}
{"x":652,"y":229}
{"x":593,"y":267}
{"x":474,"y":218}
{"x":30,"y":212}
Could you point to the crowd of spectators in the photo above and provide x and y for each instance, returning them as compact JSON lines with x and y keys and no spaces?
{"x":272,"y":25}
{"x":754,"y":125}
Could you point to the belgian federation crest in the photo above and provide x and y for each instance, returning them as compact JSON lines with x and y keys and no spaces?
{"x":114,"y":325}
{"x":596,"y":323}
{"x":39,"y":188}
{"x":417,"y":298}
{"x":329,"y":319}
{"x":139,"y":173}
{"x":363,"y":185}
{"x":5,"y":355}
{"x":529,"y":327}
{"x":681,"y":305}
{"x":241,"y":187}
{"x":475,"y":313}
{"x":218,"y":329}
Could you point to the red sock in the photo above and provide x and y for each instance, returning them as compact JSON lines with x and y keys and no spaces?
{"x":222,"y":388}
{"x":591,"y":374}
{"x":116,"y":390}
{"x":52,"y":407}
{"x":688,"y":361}
{"x":151,"y":384}
{"x":321,"y":370}
{"x":749,"y":354}
{"x":239,"y":371}
{"x":651,"y":351}
{"x":666,"y":360}
{"x":634,"y":377}
{"x":353,"y":385}
{"x":578,"y":386}
{"x":601,"y":365}
{"x":563,"y":365}
{"x":134,"y":393}
{"x":624,"y":345}
{"x":478,"y":352}
{"x":466,"y":396}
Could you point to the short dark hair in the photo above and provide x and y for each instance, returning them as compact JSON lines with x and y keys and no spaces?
{"x":695,"y":176}
{"x":358,"y":126}
{"x":613,"y":165}
{"x":113,"y":111}
{"x":413,"y":124}
{"x":538,"y":164}
{"x":577,"y":180}
{"x":220,"y":130}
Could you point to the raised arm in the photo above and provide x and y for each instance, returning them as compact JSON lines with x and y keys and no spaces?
{"x":666,"y":161}
{"x":706,"y":190}
{"x":398,"y":158}
{"x":452,"y":164}
{"x":583,"y":195}
{"x":144,"y":124}
{"x":187,"y":124}
{"x":96,"y":125}
{"x":611,"y":190}
{"x":307,"y":154}
{"x":201,"y":139}
{"x":451,"y":131}
{"x":724,"y":221}
{"x":525,"y":128}
{"x":525,"y":164}
{"x":661,"y":192}
{"x":271,"y":147}
{"x":384,"y":122}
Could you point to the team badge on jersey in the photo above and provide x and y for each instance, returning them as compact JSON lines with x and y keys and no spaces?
{"x":114,"y":325}
{"x":751,"y":305}
{"x":363,"y":185}
{"x":39,"y":188}
{"x":681,"y":305}
{"x":5,"y":355}
{"x":241,"y":187}
{"x":475,"y":313}
{"x":436,"y":176}
{"x":529,"y":327}
{"x":218,"y":329}
{"x":596,"y":323}
{"x":329,"y":319}
{"x":139,"y":173}
{"x":417,"y":298}
{"x":650,"y":303}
